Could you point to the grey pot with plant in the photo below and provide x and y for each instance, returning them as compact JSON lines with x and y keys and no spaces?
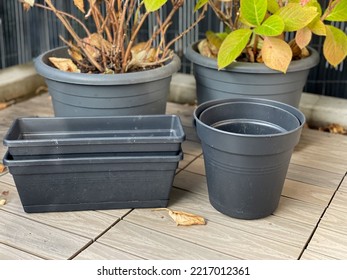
{"x":253,"y":56}
{"x":110,"y":71}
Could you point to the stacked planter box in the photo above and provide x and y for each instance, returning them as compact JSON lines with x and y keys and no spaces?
{"x":65,"y":164}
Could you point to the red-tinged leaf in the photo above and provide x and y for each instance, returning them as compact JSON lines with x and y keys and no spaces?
{"x":276,"y":54}
{"x":303,"y":37}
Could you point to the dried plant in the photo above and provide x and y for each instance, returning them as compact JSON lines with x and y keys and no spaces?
{"x":114,"y":47}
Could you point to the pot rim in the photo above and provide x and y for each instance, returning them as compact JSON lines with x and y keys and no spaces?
{"x":52,"y":73}
{"x":249,"y":67}
{"x":285,"y":107}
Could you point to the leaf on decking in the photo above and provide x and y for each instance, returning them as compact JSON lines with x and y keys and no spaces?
{"x":334,"y":128}
{"x":2,"y":168}
{"x":183,"y":218}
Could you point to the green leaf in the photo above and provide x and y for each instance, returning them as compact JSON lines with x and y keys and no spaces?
{"x":272,"y":26}
{"x":335,"y":45}
{"x":339,"y":12}
{"x":232,"y":46}
{"x":200,"y":4}
{"x":253,"y":11}
{"x":296,"y":17}
{"x":272,"y":6}
{"x":153,"y":5}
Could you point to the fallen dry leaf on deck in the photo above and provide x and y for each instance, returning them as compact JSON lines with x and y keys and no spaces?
{"x":64,"y":64}
{"x":2,"y":168}
{"x":184,"y":218}
{"x":334,"y":128}
{"x":5,"y":193}
{"x":3,"y":105}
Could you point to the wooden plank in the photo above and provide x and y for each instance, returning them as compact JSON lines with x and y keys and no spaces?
{"x":191,"y":148}
{"x":282,"y":230}
{"x":320,"y":162}
{"x":10,"y":253}
{"x":42,"y":240}
{"x":334,"y":220}
{"x":307,"y":192}
{"x":329,"y":243}
{"x":214,"y":236}
{"x":77,"y":222}
{"x":313,"y":176}
{"x":339,"y":201}
{"x":318,"y":138}
{"x":197,"y":166}
{"x":99,"y":251}
{"x":149,"y":244}
{"x":187,"y":159}
{"x":7,"y":178}
{"x":192,"y":182}
{"x":343,"y":186}
{"x":310,"y":255}
{"x":300,"y":211}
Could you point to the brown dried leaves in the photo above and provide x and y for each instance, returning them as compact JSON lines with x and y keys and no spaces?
{"x":334,"y":128}
{"x":3,"y":196}
{"x":183,"y":218}
{"x":64,"y":64}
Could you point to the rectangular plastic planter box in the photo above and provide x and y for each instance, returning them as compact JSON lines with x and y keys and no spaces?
{"x":92,"y":183}
{"x":81,"y":135}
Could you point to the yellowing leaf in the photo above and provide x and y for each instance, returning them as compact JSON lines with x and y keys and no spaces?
{"x":232,"y":46}
{"x":276,"y":54}
{"x":153,"y":5}
{"x":303,"y":37}
{"x":317,"y":27}
{"x":64,"y":64}
{"x":200,"y":4}
{"x":335,"y":45}
{"x":272,"y":26}
{"x":80,"y":5}
{"x":296,"y":17}
{"x":184,"y":218}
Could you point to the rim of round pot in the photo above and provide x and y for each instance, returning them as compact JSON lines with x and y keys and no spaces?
{"x":50,"y":72}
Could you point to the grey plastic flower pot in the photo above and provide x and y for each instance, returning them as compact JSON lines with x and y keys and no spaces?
{"x":92,"y":182}
{"x":247,"y":145}
{"x":244,"y":79}
{"x":78,"y":94}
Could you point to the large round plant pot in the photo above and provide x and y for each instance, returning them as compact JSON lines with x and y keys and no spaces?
{"x":79,"y":94}
{"x":247,"y":146}
{"x":244,"y":79}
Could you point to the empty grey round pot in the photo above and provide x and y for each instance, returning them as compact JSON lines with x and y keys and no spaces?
{"x":245,"y":79}
{"x":79,"y":94}
{"x":247,"y":145}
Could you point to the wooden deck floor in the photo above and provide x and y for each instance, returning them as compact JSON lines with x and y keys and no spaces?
{"x":310,"y":222}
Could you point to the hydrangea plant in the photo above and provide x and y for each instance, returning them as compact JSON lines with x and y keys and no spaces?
{"x":255,"y":31}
